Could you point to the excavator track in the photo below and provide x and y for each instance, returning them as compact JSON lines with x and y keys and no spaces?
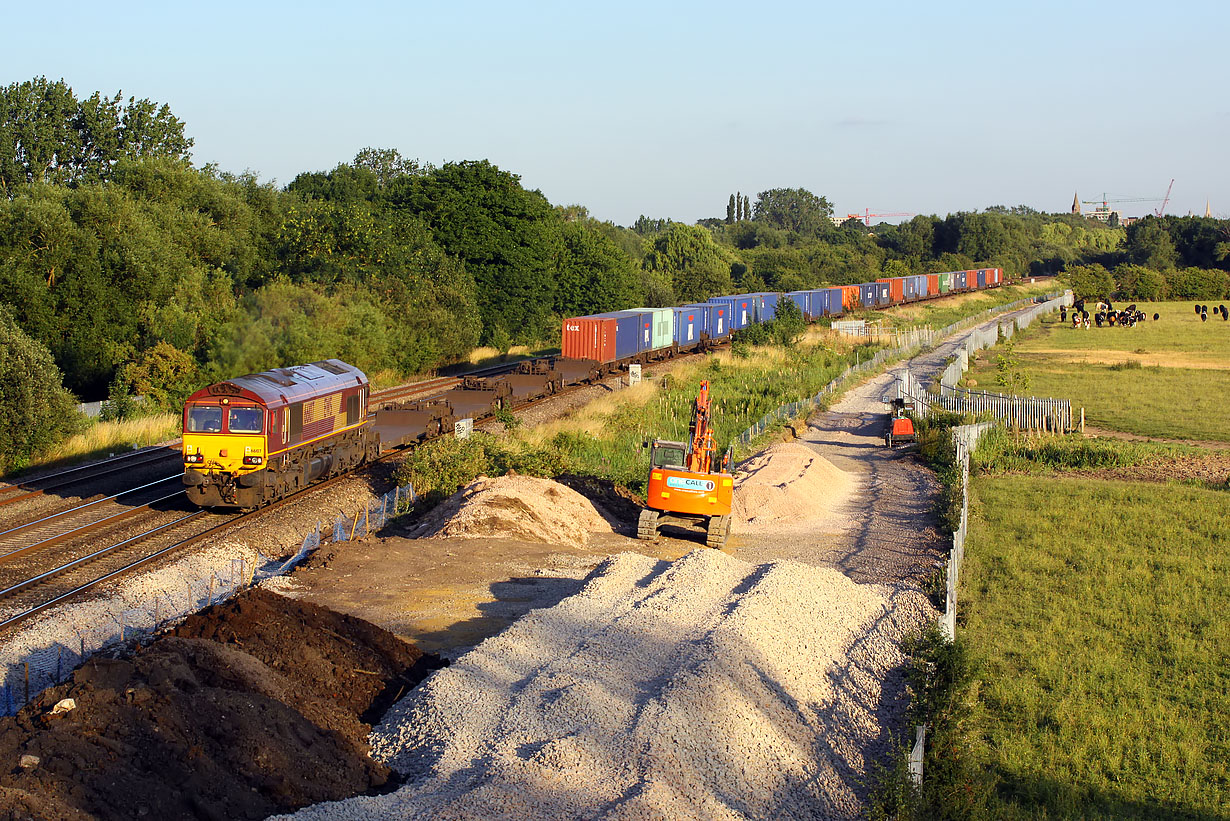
{"x":717,"y":531}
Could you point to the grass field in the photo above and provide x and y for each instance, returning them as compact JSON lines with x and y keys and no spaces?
{"x":1168,"y":378}
{"x":101,"y":439}
{"x":1097,"y":610}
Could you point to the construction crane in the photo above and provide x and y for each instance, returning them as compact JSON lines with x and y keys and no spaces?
{"x":1159,"y":212}
{"x":867,"y":215}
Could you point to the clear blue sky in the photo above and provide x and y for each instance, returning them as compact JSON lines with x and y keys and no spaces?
{"x":664,"y":109}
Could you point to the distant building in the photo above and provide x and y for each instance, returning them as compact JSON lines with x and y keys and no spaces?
{"x":1076,"y":203}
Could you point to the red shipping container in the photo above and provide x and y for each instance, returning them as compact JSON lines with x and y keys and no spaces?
{"x":896,"y":290}
{"x":933,"y":284}
{"x":587,"y":337}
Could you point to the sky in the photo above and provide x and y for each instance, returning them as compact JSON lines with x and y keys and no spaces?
{"x":665,"y":109}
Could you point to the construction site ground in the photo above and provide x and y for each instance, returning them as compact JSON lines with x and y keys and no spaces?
{"x":447,"y":595}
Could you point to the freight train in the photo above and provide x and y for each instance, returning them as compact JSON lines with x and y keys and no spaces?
{"x":255,"y":439}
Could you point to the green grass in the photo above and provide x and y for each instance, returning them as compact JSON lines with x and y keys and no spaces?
{"x":1165,"y":379}
{"x":1001,"y":451}
{"x":1097,"y":612}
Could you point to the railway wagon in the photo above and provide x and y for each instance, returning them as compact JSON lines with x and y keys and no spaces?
{"x":768,"y":306}
{"x":253,"y":439}
{"x":896,"y":289}
{"x":933,"y":285}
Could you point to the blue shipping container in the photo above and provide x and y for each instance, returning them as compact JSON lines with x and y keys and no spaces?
{"x":867,"y":294}
{"x":828,"y":302}
{"x":960,"y":278}
{"x":910,"y":288}
{"x":982,"y":278}
{"x":690,"y":322}
{"x":627,"y":332}
{"x":804,"y":300}
{"x":741,"y":309}
{"x":768,"y":305}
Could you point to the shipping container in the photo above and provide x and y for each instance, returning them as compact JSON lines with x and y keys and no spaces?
{"x":884,"y":294}
{"x":896,"y":286}
{"x":827,"y":302}
{"x":630,"y":332}
{"x":933,"y":284}
{"x":920,"y":286}
{"x":850,"y":297}
{"x":589,"y":337}
{"x":945,"y":282}
{"x":867,"y":294}
{"x":661,"y":325}
{"x":717,"y":318}
{"x":768,"y":305}
{"x":958,"y":281}
{"x":805,"y":300}
{"x":741,"y":309}
{"x":690,"y":322}
{"x":982,"y":278}
{"x":909,"y":288}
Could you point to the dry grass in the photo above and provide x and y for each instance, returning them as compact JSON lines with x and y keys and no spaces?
{"x":105,"y":438}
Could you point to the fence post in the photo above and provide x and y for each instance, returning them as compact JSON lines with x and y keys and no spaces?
{"x":916,"y":755}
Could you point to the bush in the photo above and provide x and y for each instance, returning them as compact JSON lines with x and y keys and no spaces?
{"x":36,"y":412}
{"x":443,"y":466}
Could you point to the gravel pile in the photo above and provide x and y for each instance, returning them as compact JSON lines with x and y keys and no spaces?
{"x":789,"y":486}
{"x":515,"y":507}
{"x":704,"y":688}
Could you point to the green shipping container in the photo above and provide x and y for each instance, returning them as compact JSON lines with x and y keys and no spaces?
{"x":662,"y":328}
{"x":945,"y":283}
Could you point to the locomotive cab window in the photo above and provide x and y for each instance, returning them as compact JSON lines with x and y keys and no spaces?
{"x":204,"y":419}
{"x":246,"y":420}
{"x":352,"y":409}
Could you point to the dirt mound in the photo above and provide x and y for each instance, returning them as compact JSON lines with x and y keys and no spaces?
{"x":253,"y":707}
{"x":788,"y":486}
{"x":515,"y":507}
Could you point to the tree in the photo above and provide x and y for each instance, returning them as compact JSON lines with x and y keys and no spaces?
{"x":510,"y":240}
{"x":730,"y":210}
{"x":47,"y":135}
{"x":695,"y":265}
{"x":1008,"y":373}
{"x":740,"y":215}
{"x":1137,"y":283}
{"x":387,"y":164}
{"x":164,"y":375}
{"x":1090,"y":281}
{"x":36,"y":411}
{"x":793,"y":209}
{"x":1149,"y":244}
{"x":747,"y":208}
{"x":594,"y":275}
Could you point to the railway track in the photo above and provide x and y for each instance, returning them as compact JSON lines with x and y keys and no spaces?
{"x":85,"y":474}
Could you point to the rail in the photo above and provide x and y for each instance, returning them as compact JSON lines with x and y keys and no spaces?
{"x":78,"y":636}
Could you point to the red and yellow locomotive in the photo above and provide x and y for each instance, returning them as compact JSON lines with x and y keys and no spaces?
{"x":254,"y":439}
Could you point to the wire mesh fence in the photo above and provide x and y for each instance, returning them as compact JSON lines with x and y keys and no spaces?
{"x":63,"y":642}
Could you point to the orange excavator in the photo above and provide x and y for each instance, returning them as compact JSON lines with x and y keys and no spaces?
{"x":687,"y":484}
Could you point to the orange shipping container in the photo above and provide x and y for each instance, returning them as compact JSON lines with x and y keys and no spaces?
{"x":849,"y":297}
{"x":933,"y":284}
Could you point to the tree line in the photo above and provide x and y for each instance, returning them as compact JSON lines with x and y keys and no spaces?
{"x":137,"y":272}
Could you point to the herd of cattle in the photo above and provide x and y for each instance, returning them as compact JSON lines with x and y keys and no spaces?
{"x":1105,"y":315}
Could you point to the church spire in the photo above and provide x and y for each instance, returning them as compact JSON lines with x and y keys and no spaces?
{"x":1076,"y":203}
{"x":1207,"y":211}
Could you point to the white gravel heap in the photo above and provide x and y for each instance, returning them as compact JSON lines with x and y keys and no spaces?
{"x":707,"y":688}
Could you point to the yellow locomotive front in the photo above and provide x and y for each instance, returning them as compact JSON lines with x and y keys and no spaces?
{"x":254,"y":439}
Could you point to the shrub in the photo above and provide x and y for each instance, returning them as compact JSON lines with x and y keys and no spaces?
{"x":36,"y":411}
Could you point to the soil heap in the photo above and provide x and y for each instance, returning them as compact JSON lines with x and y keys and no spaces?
{"x":515,"y":507}
{"x":249,"y":708}
{"x":707,"y":688}
{"x":788,"y":486}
